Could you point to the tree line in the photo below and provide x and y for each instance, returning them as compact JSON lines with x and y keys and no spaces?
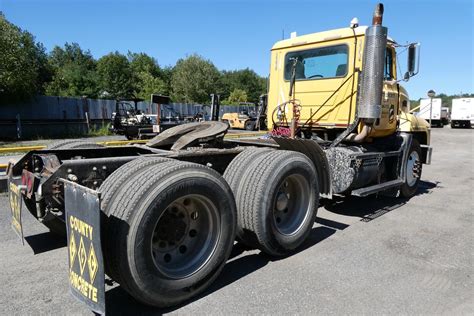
{"x":446,"y":100}
{"x":27,"y":69}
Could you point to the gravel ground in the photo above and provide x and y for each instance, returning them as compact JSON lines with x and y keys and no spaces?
{"x":364,"y":256}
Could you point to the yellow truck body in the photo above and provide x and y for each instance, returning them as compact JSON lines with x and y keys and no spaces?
{"x":326,"y":85}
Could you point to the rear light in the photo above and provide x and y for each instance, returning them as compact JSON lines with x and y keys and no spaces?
{"x":29,"y":180}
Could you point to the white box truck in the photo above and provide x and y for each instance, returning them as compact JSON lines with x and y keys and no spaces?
{"x":435,"y":111}
{"x":462,"y":112}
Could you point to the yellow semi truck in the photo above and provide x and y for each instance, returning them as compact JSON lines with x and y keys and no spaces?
{"x":161,"y":219}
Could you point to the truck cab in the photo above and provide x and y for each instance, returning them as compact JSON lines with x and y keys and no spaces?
{"x":327,"y":77}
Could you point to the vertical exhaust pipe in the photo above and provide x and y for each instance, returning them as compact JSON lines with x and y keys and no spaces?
{"x":371,"y":81}
{"x":378,"y":14}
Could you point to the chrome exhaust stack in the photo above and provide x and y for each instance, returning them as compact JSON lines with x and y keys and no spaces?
{"x":371,"y":81}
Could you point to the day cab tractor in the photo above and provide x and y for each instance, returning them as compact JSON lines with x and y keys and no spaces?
{"x":161,"y":219}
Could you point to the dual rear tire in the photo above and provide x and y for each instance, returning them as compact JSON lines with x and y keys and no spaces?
{"x":170,"y":228}
{"x":277,"y":198}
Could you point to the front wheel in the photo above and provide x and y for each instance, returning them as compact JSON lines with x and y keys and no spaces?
{"x":413,"y":170}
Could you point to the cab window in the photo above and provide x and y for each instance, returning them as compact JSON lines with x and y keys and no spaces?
{"x":317,"y":63}
{"x":388,"y":68}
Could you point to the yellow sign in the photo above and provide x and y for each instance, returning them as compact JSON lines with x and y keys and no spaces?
{"x":15,"y":206}
{"x":79,"y":281}
{"x":15,"y":196}
{"x":92,"y":263}
{"x":81,"y":227}
{"x":84,"y":287}
{"x":72,"y":248}
{"x":82,"y":256}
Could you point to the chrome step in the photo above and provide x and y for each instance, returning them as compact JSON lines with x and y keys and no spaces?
{"x":377,"y":188}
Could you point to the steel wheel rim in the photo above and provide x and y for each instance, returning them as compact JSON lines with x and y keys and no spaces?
{"x":292,"y":204}
{"x":413,"y":168}
{"x":185,"y":236}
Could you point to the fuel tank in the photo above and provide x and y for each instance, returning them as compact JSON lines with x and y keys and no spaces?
{"x":348,"y":171}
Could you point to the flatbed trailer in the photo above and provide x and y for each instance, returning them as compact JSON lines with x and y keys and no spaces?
{"x":161,"y":219}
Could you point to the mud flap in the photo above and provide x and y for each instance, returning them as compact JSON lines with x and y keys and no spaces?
{"x":86,"y":265}
{"x":15,"y":198}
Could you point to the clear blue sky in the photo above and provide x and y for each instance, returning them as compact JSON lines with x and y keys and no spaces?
{"x":239,"y":34}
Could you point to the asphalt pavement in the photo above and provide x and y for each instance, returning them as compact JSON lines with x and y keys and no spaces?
{"x":374,"y":255}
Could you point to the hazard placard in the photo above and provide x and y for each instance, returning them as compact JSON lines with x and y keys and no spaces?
{"x":86,"y":268}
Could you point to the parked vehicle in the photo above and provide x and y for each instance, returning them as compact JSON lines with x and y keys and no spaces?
{"x":161,"y":219}
{"x":240,"y":121}
{"x":462,"y":112}
{"x":129,"y":121}
{"x":431,"y":107}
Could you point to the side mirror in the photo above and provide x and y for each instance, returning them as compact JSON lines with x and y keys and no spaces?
{"x":413,"y":61}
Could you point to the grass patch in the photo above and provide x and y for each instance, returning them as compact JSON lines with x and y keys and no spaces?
{"x":100,"y":131}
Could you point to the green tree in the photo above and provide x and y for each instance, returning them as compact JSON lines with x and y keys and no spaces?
{"x":23,"y":66}
{"x":74,"y":72}
{"x":194,"y":78}
{"x":245,"y":79}
{"x":147,"y":76}
{"x":446,"y":100}
{"x":115,"y":76}
{"x":141,"y":62}
{"x":149,"y":85}
{"x":236,"y":96}
{"x":167,"y":76}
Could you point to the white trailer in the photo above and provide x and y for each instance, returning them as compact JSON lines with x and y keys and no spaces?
{"x":462,"y":112}
{"x":433,"y":107}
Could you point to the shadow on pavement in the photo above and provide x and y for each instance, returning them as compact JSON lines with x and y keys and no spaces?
{"x":374,"y":206}
{"x":45,"y":242}
{"x":239,"y":265}
{"x":426,"y":187}
{"x":242,"y":263}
